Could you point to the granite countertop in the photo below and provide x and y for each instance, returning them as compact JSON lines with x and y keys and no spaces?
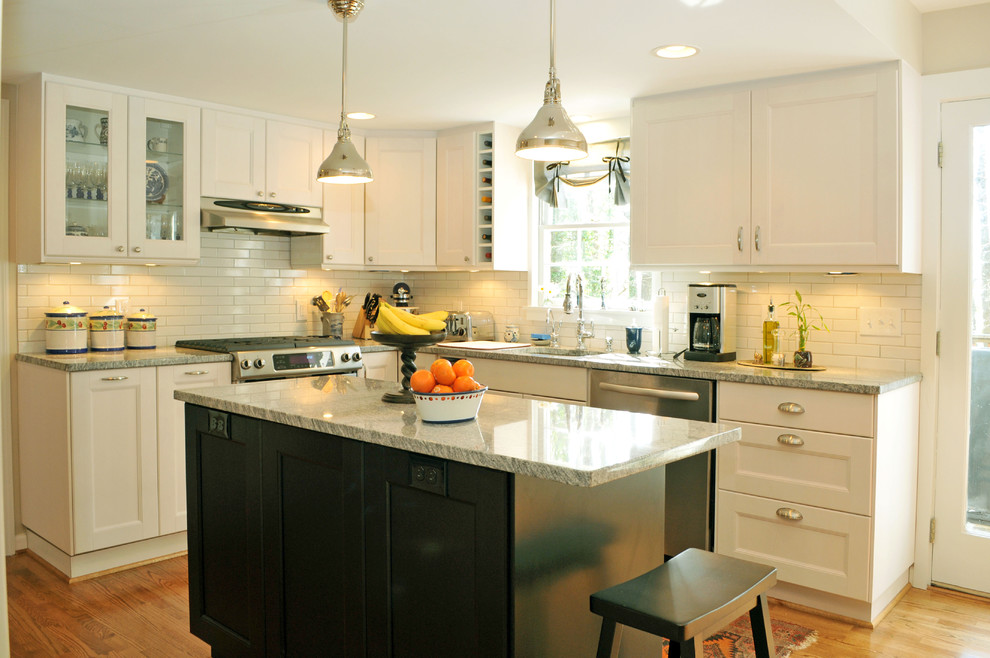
{"x":576,"y":445}
{"x":160,"y":356}
{"x":845,"y":380}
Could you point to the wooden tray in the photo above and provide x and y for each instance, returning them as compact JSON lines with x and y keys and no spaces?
{"x":754,"y":364}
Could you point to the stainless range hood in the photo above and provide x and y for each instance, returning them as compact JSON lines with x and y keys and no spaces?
{"x":260,"y":217}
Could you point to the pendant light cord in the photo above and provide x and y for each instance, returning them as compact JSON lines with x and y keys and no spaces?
{"x":344,"y":130}
{"x":552,"y":92}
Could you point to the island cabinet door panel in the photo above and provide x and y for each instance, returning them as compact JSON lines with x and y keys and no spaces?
{"x":437,"y":557}
{"x":314,"y":586}
{"x":223,"y":465}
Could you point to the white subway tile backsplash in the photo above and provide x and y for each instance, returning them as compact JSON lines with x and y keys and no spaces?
{"x":246,"y":286}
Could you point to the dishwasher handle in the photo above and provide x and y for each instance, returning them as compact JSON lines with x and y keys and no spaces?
{"x":659,"y":393}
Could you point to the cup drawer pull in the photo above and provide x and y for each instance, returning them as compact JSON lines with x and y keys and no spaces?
{"x":789,"y":514}
{"x":790,"y":408}
{"x":119,"y":378}
{"x":790,"y":440}
{"x":197,"y":372}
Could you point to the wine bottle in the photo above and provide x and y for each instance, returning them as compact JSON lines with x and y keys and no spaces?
{"x":486,"y":199}
{"x":486,"y":163}
{"x":485,"y":180}
{"x":486,"y":237}
{"x":487,"y":143}
{"x":771,"y":335}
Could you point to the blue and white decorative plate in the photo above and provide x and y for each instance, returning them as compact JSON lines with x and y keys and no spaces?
{"x":156,"y":182}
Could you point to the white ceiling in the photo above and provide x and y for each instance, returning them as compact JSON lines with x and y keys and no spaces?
{"x":428,"y":64}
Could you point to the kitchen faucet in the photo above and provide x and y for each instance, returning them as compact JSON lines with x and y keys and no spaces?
{"x":569,"y":308}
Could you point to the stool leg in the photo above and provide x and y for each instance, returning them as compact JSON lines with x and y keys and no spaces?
{"x":759,"y":619}
{"x":674,"y":649}
{"x":693,"y":648}
{"x":606,"y":637}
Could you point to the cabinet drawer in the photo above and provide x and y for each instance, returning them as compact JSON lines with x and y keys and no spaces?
{"x":825,"y":411}
{"x":215,"y":373}
{"x":834,"y":471}
{"x":824,"y":550}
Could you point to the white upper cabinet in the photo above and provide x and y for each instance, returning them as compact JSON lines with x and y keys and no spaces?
{"x":343,"y":212}
{"x":114,"y":177}
{"x":804,"y":173}
{"x":691,"y":191}
{"x":401,"y":203}
{"x":483,"y":193}
{"x":247,"y":157}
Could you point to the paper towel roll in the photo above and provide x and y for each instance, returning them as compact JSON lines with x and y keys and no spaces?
{"x":661,"y":323}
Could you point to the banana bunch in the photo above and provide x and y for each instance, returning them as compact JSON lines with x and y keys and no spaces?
{"x":392,"y":320}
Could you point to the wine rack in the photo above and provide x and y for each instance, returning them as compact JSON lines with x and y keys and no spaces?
{"x":486,"y":197}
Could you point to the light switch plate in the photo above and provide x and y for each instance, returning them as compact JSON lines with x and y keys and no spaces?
{"x":879,"y":322}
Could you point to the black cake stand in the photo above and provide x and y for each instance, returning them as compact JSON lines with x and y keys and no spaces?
{"x":407,"y":349}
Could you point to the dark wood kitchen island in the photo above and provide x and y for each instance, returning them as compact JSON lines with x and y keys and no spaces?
{"x":323,"y":521}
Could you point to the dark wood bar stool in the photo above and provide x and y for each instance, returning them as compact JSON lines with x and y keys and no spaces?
{"x":687,"y":599}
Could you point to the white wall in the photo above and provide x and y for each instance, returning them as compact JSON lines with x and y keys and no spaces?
{"x":956,"y":39}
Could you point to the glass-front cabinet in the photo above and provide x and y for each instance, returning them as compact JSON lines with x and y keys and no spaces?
{"x":122,"y":185}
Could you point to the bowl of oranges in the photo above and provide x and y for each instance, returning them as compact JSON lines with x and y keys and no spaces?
{"x":447,"y":392}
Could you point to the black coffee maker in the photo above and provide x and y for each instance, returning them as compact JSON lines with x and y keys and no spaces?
{"x":711,"y":322}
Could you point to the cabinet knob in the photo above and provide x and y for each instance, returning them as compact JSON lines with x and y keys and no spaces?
{"x":756,"y":238}
{"x":197,"y":372}
{"x":329,"y":256}
{"x":790,"y":514}
{"x":272,"y":195}
{"x":790,"y":408}
{"x":115,"y":379}
{"x":137,"y":250}
{"x":120,"y":247}
{"x":739,"y":236}
{"x":790,"y":440}
{"x":467,"y":259}
{"x":371,"y":259}
{"x":261,"y":193}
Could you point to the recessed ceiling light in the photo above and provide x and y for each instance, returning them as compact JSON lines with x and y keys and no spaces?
{"x":675,"y":51}
{"x":360,"y":116}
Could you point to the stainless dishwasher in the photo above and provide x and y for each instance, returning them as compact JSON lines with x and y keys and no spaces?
{"x":689,"y":503}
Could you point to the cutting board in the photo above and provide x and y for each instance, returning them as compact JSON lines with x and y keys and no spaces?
{"x":485,"y":345}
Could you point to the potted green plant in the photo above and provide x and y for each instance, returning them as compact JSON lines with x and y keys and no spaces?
{"x":804,"y":316}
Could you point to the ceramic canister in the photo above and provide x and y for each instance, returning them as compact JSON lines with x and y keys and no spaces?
{"x":141,"y":330}
{"x":106,"y":331}
{"x":66,"y":330}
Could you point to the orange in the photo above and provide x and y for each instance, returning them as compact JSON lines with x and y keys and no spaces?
{"x":443,"y":372}
{"x":422,"y":381}
{"x":463,"y":368}
{"x":465,"y":383}
{"x":440,"y":388}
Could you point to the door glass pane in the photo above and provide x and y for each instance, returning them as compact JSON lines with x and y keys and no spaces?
{"x":87,"y":132}
{"x":978,"y":492}
{"x":164,"y":180}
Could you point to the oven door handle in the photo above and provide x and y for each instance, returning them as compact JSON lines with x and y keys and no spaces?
{"x":659,"y":393}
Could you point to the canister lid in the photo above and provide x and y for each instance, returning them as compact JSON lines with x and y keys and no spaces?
{"x":107,"y":313}
{"x":66,"y":310}
{"x":142,"y":314}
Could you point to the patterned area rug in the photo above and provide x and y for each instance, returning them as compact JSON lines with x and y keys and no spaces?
{"x":736,"y":640}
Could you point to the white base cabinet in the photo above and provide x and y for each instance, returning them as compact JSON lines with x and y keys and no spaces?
{"x":822,"y":486}
{"x":810,"y":172}
{"x":101,"y":462}
{"x":381,"y":365}
{"x":172,"y":436}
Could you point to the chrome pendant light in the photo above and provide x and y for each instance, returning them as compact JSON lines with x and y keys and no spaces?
{"x":344,"y":165}
{"x":552,"y":136}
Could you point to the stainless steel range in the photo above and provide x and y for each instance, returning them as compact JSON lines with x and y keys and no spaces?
{"x":279,"y":357}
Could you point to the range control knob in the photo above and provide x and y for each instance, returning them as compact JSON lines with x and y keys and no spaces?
{"x":345,"y":357}
{"x":246,"y":364}
{"x":356,"y":357}
{"x":259,"y":363}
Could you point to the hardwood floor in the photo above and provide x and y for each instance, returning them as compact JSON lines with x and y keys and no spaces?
{"x":145,"y":612}
{"x":140,"y":612}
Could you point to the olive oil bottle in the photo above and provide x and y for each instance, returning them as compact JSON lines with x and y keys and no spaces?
{"x":771,"y":335}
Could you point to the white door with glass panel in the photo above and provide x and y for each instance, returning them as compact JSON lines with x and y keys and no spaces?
{"x":962,"y":479}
